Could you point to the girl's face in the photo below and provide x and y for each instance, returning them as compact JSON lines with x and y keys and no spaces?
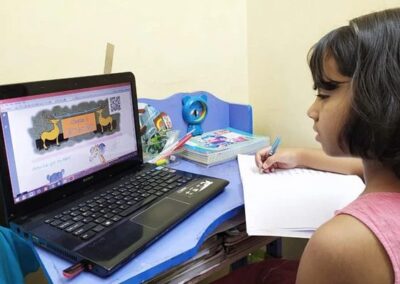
{"x":330,"y":108}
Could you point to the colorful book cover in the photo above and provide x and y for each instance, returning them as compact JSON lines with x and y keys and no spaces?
{"x":220,"y":140}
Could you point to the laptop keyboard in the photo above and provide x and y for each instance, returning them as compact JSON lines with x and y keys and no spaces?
{"x":87,"y":218}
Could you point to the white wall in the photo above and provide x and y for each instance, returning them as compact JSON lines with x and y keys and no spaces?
{"x":171,"y":46}
{"x":280,"y":34}
{"x":245,"y":51}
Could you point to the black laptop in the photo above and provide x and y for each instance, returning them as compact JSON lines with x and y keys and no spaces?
{"x":72,"y":173}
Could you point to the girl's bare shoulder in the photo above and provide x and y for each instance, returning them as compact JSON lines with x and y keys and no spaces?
{"x":344,"y":250}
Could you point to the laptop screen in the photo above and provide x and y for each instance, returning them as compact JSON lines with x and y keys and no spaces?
{"x":52,"y":139}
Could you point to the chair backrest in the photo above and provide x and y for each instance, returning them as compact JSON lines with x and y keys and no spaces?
{"x":220,"y":114}
{"x":18,"y":258}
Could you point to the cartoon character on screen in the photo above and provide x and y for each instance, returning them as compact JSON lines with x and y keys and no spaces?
{"x":194,"y":111}
{"x":51,"y":134}
{"x":97,"y":151}
{"x":56,"y":178}
{"x":104,"y":120}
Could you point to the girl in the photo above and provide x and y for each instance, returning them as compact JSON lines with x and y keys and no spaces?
{"x":356,"y":72}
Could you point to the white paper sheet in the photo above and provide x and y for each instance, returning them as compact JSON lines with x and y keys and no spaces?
{"x":293,"y":203}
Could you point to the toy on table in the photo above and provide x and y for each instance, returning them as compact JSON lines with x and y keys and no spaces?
{"x":194,"y":111}
{"x":166,"y":154}
{"x":156,"y":131}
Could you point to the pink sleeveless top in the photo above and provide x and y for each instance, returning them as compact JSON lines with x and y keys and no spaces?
{"x":380,"y":212}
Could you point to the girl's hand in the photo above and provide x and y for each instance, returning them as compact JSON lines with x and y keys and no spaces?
{"x":283,"y":159}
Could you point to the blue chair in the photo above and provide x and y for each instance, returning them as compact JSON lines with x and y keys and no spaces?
{"x":220,"y":114}
{"x":17,"y":257}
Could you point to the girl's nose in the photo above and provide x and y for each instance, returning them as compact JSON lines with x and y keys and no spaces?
{"x":312,"y":111}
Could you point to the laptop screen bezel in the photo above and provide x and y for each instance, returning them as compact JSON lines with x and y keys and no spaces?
{"x":16,"y":210}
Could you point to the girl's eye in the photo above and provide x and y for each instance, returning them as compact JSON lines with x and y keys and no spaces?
{"x":322,"y":96}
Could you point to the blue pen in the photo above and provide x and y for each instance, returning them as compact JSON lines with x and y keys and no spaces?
{"x":274,"y":146}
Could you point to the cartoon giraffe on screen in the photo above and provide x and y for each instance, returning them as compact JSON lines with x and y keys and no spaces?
{"x":52,"y":134}
{"x":104,"y":121}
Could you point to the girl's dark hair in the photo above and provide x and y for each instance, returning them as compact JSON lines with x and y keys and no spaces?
{"x":368,"y":51}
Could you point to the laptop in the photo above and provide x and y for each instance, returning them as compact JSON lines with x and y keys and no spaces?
{"x":73,"y":177}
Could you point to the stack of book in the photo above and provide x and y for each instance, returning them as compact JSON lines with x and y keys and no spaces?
{"x":221,"y":145}
{"x":227,"y":244}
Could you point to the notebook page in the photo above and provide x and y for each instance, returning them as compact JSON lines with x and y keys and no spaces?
{"x":296,"y":201}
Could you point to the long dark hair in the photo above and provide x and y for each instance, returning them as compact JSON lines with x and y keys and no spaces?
{"x":368,"y":51}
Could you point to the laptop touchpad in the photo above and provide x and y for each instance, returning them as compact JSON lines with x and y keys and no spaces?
{"x":162,"y":213}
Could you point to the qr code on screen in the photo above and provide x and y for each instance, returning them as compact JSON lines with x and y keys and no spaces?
{"x":115,"y":104}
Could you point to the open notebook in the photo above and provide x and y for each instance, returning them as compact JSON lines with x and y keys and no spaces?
{"x":295,"y":202}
